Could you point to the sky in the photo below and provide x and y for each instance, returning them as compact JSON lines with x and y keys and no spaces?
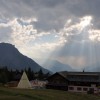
{"x":64,"y":30}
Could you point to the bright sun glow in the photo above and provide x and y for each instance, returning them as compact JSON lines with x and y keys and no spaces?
{"x":85,"y":21}
{"x":94,"y":35}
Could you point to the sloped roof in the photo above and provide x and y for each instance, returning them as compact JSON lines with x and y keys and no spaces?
{"x":66,"y":73}
{"x":63,"y":73}
{"x":81,"y":76}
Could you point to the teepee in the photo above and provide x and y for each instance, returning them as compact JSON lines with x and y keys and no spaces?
{"x":24,"y":82}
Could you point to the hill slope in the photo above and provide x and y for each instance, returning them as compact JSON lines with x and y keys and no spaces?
{"x":13,"y":59}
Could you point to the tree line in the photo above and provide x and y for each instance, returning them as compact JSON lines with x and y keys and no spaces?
{"x":7,"y":75}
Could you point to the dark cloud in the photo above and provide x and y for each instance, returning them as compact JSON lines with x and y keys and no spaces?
{"x":52,"y":3}
{"x":45,"y":3}
{"x":51,"y":14}
{"x":86,"y":7}
{"x":5,"y":34}
{"x":14,"y":8}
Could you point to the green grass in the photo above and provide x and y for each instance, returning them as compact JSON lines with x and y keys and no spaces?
{"x":20,"y":94}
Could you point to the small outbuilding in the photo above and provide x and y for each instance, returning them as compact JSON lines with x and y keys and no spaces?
{"x":24,"y":82}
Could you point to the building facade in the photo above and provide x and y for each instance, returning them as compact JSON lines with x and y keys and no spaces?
{"x":75,"y":81}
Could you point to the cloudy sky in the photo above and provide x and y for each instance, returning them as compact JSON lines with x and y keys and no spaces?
{"x":63,"y":30}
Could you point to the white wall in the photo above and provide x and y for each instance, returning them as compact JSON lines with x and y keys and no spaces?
{"x":75,"y":88}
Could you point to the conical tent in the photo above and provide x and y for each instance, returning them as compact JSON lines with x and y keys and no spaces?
{"x":24,"y":82}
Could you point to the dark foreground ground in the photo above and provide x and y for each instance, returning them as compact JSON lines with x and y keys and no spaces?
{"x":19,"y":94}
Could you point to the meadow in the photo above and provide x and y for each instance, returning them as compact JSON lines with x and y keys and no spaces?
{"x":43,"y":94}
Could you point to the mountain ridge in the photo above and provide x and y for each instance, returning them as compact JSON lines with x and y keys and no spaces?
{"x":13,"y":59}
{"x":56,"y":66}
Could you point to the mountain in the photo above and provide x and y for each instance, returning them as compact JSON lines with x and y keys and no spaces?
{"x":13,"y":59}
{"x":56,"y":66}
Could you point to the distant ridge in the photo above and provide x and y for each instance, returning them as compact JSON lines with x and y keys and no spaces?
{"x":56,"y":66}
{"x":13,"y":59}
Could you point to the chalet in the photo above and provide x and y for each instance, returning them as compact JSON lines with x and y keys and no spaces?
{"x":74,"y":81}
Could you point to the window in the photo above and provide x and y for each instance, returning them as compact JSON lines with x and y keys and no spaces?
{"x":91,"y":89}
{"x":71,"y":88}
{"x":85,"y":89}
{"x":79,"y":88}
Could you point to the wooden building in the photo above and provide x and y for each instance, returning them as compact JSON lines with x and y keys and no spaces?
{"x":74,"y":81}
{"x":12,"y":84}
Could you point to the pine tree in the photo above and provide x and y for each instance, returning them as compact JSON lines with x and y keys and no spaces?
{"x":40,"y":74}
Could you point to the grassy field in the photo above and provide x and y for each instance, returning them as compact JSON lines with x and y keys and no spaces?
{"x":18,"y":94}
